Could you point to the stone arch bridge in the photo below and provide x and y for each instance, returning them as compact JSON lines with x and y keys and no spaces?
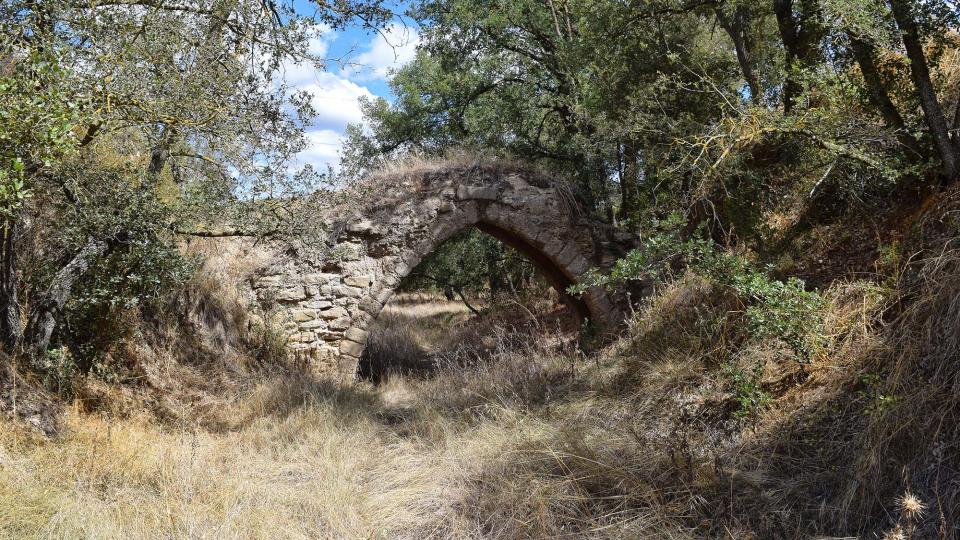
{"x":328,"y":290}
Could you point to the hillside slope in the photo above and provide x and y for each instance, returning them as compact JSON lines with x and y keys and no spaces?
{"x":686,"y":427}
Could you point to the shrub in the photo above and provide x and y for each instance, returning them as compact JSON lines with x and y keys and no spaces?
{"x":774,"y":308}
{"x":748,"y":392}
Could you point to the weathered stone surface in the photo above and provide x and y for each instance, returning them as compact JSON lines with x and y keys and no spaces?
{"x":303,"y":337}
{"x":319,"y":278}
{"x":477,"y":193}
{"x":366,"y":227}
{"x":268,"y":281}
{"x":339,"y":324}
{"x":351,"y":348}
{"x":358,"y":281}
{"x":356,"y":334}
{"x":292,"y":294}
{"x":303,"y":315}
{"x":335,"y":312}
{"x":313,"y":325}
{"x":446,"y":206}
{"x":318,"y":304}
{"x":347,"y":291}
{"x":330,"y":292}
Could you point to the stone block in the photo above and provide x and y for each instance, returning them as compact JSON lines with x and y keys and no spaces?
{"x":328,"y":335}
{"x":313,"y":325}
{"x":371,"y":306}
{"x":477,"y":193}
{"x":340,"y":324}
{"x":351,"y":348}
{"x":291,"y":294}
{"x":446,"y":207}
{"x":366,"y":227}
{"x":268,"y":281}
{"x":578,"y":266}
{"x":320,"y":278}
{"x":567,"y":254}
{"x":492,"y":213}
{"x":303,"y":337}
{"x":303,"y":315}
{"x":335,"y":312}
{"x":356,"y":334}
{"x":384,"y":296}
{"x":399,"y":270}
{"x":318,"y":304}
{"x":358,"y":281}
{"x":346,"y":291}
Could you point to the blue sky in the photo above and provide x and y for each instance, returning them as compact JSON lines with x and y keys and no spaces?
{"x":359,"y":64}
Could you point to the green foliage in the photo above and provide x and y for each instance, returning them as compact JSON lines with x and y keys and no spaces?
{"x":144,"y":265}
{"x":782,"y":309}
{"x":775,"y":308}
{"x":37,"y":119}
{"x":13,"y":190}
{"x":748,"y":392}
{"x":58,"y":369}
{"x":472,"y":262}
{"x":878,"y":400}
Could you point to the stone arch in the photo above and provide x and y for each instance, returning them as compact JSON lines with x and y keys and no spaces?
{"x":327,"y":300}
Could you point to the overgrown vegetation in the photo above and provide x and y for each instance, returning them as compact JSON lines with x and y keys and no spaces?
{"x":789,"y":168}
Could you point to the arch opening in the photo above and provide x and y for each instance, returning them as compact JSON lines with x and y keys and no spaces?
{"x":431,"y":308}
{"x":560,"y":282}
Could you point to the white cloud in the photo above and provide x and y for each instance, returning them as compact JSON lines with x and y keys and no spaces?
{"x":395,"y":46}
{"x":335,"y":96}
{"x":336,"y":100}
{"x":296,"y":74}
{"x":322,"y":149}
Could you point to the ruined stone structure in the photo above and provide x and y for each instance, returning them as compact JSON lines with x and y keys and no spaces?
{"x":326,"y":292}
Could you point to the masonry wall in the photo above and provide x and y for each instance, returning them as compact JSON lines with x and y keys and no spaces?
{"x":325,"y":296}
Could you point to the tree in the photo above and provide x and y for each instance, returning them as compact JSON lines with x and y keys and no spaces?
{"x":171,"y":115}
{"x":801,"y":30}
{"x":556,"y":83}
{"x":905,"y":12}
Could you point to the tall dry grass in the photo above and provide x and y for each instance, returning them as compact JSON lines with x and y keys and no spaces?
{"x":515,"y":433}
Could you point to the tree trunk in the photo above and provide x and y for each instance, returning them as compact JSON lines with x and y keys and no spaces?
{"x":494,"y":277}
{"x":932,"y":111}
{"x":735,"y":29}
{"x":783,"y":9}
{"x":43,"y":318}
{"x":11,"y":331}
{"x":863,"y":52}
{"x":800,"y":33}
{"x":160,"y":153}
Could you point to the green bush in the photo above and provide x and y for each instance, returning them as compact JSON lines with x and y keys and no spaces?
{"x":774,"y":308}
{"x":748,"y":393}
{"x":58,"y":369}
{"x":143,"y":264}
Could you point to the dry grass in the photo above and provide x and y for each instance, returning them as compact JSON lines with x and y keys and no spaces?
{"x":516,"y":434}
